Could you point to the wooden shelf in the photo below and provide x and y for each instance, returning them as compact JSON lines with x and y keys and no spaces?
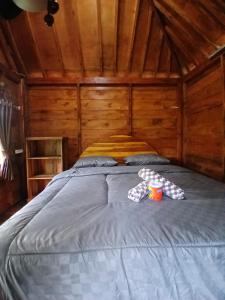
{"x":42,"y":177}
{"x":45,"y":158}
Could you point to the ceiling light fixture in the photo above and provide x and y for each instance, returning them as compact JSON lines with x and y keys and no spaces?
{"x":9,"y":9}
{"x":31,"y":5}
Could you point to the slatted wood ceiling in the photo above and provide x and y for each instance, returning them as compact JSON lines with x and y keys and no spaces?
{"x":116,"y":38}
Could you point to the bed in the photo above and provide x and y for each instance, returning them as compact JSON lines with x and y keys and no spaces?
{"x":83,"y":239}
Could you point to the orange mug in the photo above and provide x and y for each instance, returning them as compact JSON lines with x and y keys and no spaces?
{"x":155,"y":190}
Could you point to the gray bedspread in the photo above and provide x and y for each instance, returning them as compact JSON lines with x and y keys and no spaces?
{"x":83,"y":239}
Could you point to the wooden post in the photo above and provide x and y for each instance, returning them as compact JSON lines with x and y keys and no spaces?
{"x":222,"y":63}
{"x":180,"y":138}
{"x":130,"y":114}
{"x":184,"y":120}
{"x":79,"y":138}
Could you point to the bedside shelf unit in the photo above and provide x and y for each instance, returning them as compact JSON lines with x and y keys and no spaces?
{"x":45,"y":157}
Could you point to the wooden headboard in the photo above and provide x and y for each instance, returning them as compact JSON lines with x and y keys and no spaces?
{"x":119,"y":146}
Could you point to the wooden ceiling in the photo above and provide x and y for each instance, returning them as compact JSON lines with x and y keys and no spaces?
{"x":115,"y":38}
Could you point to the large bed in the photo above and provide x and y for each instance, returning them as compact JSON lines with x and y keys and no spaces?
{"x":83,"y":239}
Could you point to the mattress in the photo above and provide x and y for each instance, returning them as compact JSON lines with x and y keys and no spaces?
{"x":83,"y":239}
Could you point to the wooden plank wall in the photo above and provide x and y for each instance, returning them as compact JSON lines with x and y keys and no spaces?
{"x":204,"y":121}
{"x":88,"y":113}
{"x":157,"y":118}
{"x":53,"y":112}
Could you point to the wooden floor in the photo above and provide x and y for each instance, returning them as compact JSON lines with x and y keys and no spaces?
{"x":11,"y":211}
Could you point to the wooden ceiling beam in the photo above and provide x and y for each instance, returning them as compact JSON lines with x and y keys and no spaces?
{"x":147,"y":39}
{"x":218,"y":52}
{"x":11,"y":75}
{"x":180,"y":59}
{"x":56,"y":39}
{"x":11,"y":41}
{"x":188,"y":56}
{"x":183,"y":34}
{"x":210,"y":8}
{"x":202,"y":68}
{"x":170,"y":61}
{"x":6,"y":50}
{"x":220,"y":4}
{"x":130,"y":56}
{"x":37,"y":50}
{"x":169,"y":42}
{"x":185,"y":22}
{"x":77,"y":32}
{"x":115,"y":50}
{"x":102,"y":80}
{"x":101,"y":63}
{"x":160,"y":54}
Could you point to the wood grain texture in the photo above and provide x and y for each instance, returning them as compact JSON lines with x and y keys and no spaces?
{"x":156,"y":118}
{"x":53,"y":112}
{"x":204,"y":123}
{"x":111,"y":106}
{"x":92,"y":38}
{"x":145,"y":38}
{"x":118,"y":147}
{"x":151,"y":113}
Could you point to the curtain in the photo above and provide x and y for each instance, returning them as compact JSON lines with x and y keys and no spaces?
{"x":5,"y":138}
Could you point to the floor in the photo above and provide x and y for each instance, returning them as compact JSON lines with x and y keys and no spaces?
{"x":11,"y":211}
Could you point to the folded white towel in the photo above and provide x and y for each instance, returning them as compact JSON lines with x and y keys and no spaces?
{"x":169,"y":188}
{"x":138,"y":192}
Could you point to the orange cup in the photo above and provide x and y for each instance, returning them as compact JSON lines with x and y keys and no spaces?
{"x":155,"y":190}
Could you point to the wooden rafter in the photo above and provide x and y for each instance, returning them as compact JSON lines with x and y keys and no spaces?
{"x":137,"y":11}
{"x":100,"y":80}
{"x":161,"y":37}
{"x":180,"y":59}
{"x":37,"y":50}
{"x":181,"y":46}
{"x":147,"y":39}
{"x":77,"y":32}
{"x":5,"y":50}
{"x":170,"y":60}
{"x":101,"y":63}
{"x":56,"y":39}
{"x":115,"y":54}
{"x":16,"y":55}
{"x":220,"y":4}
{"x":216,"y":14}
{"x":182,"y":32}
{"x":169,"y":43}
{"x":11,"y":75}
{"x":185,"y":23}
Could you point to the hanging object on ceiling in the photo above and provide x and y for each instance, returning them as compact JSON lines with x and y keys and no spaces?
{"x":53,"y":7}
{"x":32,"y":5}
{"x":8,"y":9}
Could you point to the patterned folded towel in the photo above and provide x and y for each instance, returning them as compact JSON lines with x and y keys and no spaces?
{"x":138,"y":192}
{"x":169,"y":188}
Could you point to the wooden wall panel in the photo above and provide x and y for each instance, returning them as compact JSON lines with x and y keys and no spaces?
{"x":104,"y":112}
{"x":92,"y":112}
{"x":204,"y":123}
{"x":53,"y":112}
{"x":156,"y":118}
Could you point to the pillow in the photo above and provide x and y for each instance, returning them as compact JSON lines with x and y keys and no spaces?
{"x":95,"y":161}
{"x":146,"y":159}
